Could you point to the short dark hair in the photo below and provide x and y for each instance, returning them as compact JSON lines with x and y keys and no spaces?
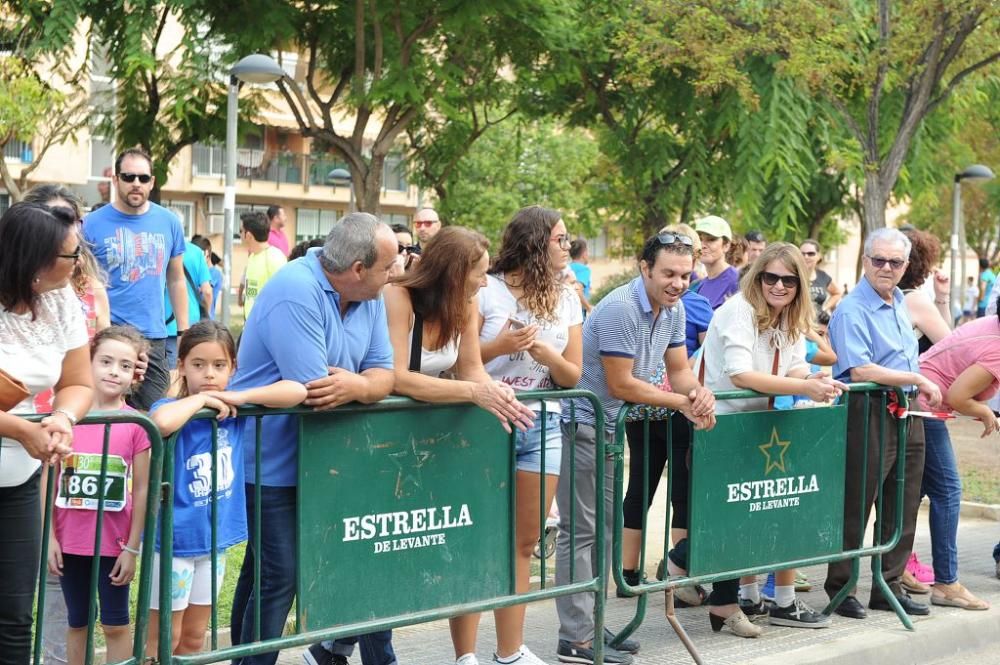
{"x":272,"y":211}
{"x":254,"y":223}
{"x":31,"y":236}
{"x":300,"y":250}
{"x":754,"y":236}
{"x":401,"y":228}
{"x":577,"y":248}
{"x":984,"y":264}
{"x":651,"y":249}
{"x":201,"y":241}
{"x":132,"y":152}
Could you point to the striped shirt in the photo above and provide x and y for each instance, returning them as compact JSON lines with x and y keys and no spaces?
{"x":622,"y":325}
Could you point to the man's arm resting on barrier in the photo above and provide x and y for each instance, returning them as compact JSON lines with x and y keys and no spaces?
{"x":341,"y":386}
{"x":622,"y":385}
{"x":700,"y":400}
{"x":891,"y":377}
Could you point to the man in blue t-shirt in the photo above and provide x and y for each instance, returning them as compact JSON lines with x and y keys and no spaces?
{"x":578,"y":264}
{"x":986,"y":281}
{"x":319,"y":321}
{"x":140,"y":246}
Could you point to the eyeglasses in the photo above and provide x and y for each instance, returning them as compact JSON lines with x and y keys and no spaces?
{"x":75,"y":255}
{"x":427,"y":224}
{"x":673,"y":238}
{"x":808,"y":253}
{"x":408,"y":249}
{"x":563,"y":241}
{"x":880,"y":262}
{"x":787,"y":281}
{"x":144,"y":178}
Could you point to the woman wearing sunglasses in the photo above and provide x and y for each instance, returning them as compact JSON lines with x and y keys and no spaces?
{"x":823,"y":290}
{"x":756,"y":341}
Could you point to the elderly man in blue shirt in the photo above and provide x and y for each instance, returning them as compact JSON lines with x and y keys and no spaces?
{"x":319,"y":321}
{"x":872,"y":335}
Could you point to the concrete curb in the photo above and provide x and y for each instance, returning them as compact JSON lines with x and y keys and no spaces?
{"x":972,"y":510}
{"x":935,"y":638}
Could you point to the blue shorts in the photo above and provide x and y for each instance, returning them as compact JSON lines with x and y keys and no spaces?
{"x":528,"y":445}
{"x":75,"y":583}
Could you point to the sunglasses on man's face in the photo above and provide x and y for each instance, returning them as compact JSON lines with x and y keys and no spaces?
{"x":787,"y":281}
{"x":421,"y":225}
{"x":880,"y":262}
{"x":144,"y":178}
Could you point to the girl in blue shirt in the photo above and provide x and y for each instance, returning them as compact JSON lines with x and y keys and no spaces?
{"x":206,"y":360}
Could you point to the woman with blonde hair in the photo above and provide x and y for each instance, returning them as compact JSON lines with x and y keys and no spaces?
{"x":756,"y":341}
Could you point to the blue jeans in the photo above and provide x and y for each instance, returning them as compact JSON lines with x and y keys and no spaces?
{"x":943,"y":485}
{"x":376,"y":648}
{"x":277,"y":570}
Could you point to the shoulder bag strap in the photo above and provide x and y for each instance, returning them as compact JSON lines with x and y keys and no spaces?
{"x":416,"y":342}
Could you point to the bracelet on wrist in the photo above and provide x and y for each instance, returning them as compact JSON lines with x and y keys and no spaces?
{"x":940,"y":302}
{"x":69,"y":415}
{"x":130,"y":550}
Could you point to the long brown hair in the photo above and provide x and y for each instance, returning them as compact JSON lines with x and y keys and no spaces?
{"x":795,"y":319}
{"x":205,"y":330}
{"x":525,"y":247}
{"x":437,"y":282}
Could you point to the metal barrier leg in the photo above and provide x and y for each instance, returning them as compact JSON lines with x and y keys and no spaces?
{"x":845,"y":590}
{"x":682,"y":635}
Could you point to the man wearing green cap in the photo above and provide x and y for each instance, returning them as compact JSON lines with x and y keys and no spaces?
{"x":721,"y":279}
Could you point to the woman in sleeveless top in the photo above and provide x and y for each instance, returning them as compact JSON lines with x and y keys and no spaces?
{"x":930,"y":317}
{"x":824,"y":292}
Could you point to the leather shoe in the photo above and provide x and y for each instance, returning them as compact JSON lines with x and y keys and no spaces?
{"x":851,"y":608}
{"x":910,"y":606}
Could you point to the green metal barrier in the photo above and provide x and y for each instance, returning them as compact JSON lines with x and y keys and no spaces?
{"x":406,"y":514}
{"x":755,"y":475}
{"x":144,"y":562}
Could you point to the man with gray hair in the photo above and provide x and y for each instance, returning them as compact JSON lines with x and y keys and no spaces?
{"x":873,"y":338}
{"x":300,"y":330}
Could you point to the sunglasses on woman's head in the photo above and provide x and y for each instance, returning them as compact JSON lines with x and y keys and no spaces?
{"x":788,"y":281}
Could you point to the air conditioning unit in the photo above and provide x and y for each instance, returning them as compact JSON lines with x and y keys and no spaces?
{"x":215,"y":214}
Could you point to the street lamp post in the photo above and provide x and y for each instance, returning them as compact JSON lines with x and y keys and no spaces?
{"x":256,"y":68}
{"x":343,"y":177}
{"x":974,"y":173}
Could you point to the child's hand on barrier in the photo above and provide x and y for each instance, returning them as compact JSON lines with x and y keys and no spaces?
{"x":123,"y":570}
{"x":212,"y":402}
{"x":231,"y":397}
{"x":55,"y":557}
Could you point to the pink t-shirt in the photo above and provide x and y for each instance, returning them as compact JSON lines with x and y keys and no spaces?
{"x":75,"y":528}
{"x":976,"y":342}
{"x":277,"y":239}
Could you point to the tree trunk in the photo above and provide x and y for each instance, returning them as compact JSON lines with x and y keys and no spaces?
{"x":875,"y":201}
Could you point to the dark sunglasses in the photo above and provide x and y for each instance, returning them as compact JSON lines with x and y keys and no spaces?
{"x":787,"y":281}
{"x":879,"y":262}
{"x":75,"y":255}
{"x":409,"y":249}
{"x":671,"y":238}
{"x":808,"y":253}
{"x":144,"y":178}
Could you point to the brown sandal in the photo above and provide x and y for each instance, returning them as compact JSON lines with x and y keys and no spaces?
{"x":956,"y":595}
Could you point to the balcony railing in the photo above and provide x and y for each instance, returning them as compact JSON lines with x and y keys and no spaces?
{"x":18,"y":151}
{"x":295,"y":168}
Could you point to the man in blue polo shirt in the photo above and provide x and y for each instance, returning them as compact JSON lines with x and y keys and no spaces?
{"x":140,"y":246}
{"x":318,"y":321}
{"x":873,"y":338}
{"x":626,"y":335}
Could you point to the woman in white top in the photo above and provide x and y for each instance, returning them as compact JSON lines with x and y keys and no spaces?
{"x":531,"y":339}
{"x":756,"y":341}
{"x":43,"y":344}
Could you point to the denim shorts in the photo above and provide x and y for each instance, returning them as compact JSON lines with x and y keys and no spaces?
{"x":528,"y":445}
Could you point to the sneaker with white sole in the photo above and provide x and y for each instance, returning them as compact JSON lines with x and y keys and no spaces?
{"x":467,"y":659}
{"x":797,"y":615}
{"x":316,"y":654}
{"x":570,"y":653}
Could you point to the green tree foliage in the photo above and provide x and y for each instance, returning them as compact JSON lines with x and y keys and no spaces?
{"x":529,"y":162}
{"x":40,"y":111}
{"x":421,"y":67}
{"x":882,"y":66}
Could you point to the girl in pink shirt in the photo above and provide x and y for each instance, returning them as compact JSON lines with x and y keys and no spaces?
{"x":965,"y":366}
{"x":114,"y":354}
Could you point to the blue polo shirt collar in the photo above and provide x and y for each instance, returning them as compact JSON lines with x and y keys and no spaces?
{"x":872,"y":300}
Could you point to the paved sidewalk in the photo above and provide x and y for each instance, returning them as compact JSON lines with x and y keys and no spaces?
{"x":947,"y":635}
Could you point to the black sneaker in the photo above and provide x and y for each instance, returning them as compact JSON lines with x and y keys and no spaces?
{"x":627,"y":645}
{"x":755,"y":610}
{"x":631,"y":578}
{"x":797,"y":615}
{"x":317,"y":655}
{"x":569,"y":653}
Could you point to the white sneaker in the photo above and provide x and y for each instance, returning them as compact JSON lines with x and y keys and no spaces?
{"x":528,"y":658}
{"x":467,"y":659}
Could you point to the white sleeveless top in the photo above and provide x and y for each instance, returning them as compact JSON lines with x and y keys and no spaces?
{"x":432,"y":363}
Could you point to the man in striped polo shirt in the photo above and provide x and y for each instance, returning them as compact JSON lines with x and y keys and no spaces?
{"x":624,"y":338}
